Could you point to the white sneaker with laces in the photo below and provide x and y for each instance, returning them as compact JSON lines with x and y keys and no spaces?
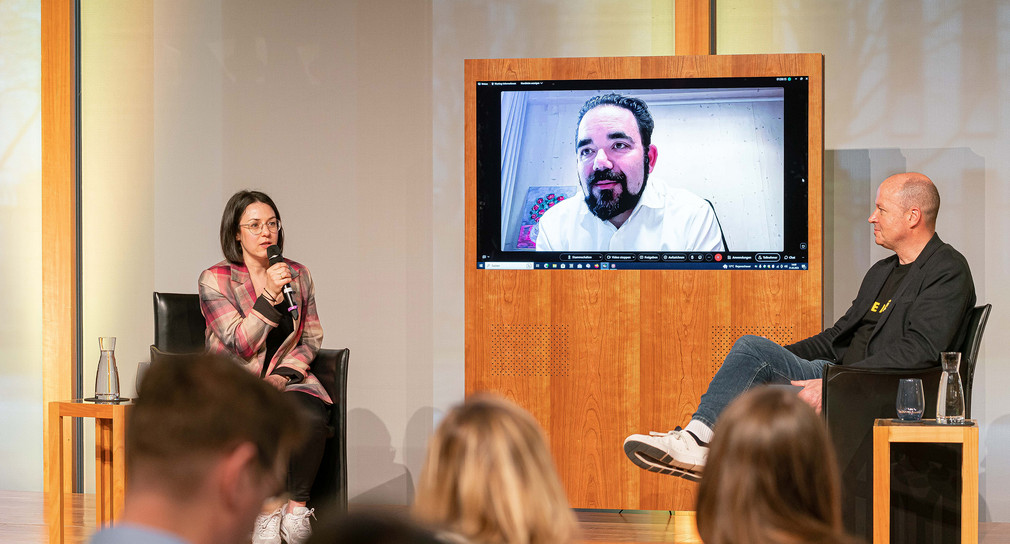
{"x":295,"y":527}
{"x":268,"y":528}
{"x":676,"y":452}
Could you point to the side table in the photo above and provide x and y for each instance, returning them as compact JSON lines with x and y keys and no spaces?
{"x":886,"y":431}
{"x":110,"y":460}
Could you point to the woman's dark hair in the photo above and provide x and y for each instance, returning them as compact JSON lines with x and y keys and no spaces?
{"x":233,"y":211}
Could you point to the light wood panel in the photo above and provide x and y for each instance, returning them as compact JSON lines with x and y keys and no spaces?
{"x":886,"y":432}
{"x":693,"y":27}
{"x":110,"y":462}
{"x":637,"y":344}
{"x":59,"y":212}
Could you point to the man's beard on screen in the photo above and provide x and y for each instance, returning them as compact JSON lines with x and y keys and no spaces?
{"x":607,"y":205}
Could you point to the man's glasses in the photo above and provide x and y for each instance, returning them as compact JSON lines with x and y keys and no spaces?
{"x":256,"y":227}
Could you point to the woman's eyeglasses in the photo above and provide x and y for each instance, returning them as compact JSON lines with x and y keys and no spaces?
{"x":256,"y":227}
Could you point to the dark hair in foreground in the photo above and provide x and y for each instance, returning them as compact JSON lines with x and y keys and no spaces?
{"x":233,"y":211}
{"x":771,"y":476}
{"x":197,"y":407}
{"x":636,"y":106}
{"x":372,"y":528}
{"x":490,"y":479}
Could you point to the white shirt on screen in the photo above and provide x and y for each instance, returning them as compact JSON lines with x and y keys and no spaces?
{"x":665,"y":219}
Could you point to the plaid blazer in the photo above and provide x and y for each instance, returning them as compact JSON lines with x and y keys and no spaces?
{"x":238,"y":323}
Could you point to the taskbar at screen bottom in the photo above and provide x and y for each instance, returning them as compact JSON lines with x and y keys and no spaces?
{"x":606,"y":265}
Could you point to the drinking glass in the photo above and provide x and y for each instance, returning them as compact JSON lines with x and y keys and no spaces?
{"x":911,"y":401}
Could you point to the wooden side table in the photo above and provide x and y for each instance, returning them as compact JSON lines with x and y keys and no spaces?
{"x":110,"y":460}
{"x":886,"y":431}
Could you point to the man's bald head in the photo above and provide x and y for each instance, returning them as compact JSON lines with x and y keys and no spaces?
{"x":915,"y":190}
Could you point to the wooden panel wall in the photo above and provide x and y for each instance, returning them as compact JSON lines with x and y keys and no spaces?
{"x":693,"y":28}
{"x":597,"y":355}
{"x":59,"y":211}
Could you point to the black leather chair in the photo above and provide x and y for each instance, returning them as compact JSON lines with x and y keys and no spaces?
{"x":179,"y":328}
{"x":854,"y":397}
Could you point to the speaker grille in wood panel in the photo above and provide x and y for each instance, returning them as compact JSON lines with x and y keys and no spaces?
{"x":529,"y":350}
{"x":723,"y":338}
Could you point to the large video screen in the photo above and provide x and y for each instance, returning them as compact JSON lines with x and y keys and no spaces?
{"x":687,"y":173}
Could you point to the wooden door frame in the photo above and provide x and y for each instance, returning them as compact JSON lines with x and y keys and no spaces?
{"x":60,"y":225}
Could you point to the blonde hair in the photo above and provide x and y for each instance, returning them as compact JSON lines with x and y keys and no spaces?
{"x":771,"y":475}
{"x":489,"y":477}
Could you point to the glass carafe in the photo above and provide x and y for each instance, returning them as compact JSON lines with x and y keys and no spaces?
{"x":107,"y":381}
{"x":950,"y":399}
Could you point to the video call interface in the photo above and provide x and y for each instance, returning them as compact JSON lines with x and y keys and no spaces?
{"x":727,"y":189}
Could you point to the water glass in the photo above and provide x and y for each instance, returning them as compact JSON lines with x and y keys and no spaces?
{"x":910,"y":402}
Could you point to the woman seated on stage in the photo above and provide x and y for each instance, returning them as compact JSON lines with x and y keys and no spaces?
{"x":249,"y":318}
{"x":489,"y":478}
{"x":771,"y":476}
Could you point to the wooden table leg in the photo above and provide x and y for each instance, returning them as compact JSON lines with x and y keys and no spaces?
{"x":54,"y":485}
{"x":969,"y":486}
{"x":118,"y":449}
{"x":103,"y":472}
{"x":881,"y":486}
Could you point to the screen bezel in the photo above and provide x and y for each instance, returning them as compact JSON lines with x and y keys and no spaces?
{"x":794,"y":254}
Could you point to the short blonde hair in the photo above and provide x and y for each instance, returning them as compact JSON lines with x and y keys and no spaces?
{"x":489,"y":477}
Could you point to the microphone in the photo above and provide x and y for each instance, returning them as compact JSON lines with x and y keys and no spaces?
{"x":274,"y":254}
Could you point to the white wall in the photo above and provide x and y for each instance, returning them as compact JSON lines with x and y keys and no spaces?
{"x":921,"y":86}
{"x":325,"y":106}
{"x":20,"y":246}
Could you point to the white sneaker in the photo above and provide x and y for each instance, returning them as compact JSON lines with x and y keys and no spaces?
{"x":268,"y":528}
{"x":295,"y":527}
{"x":677,"y":453}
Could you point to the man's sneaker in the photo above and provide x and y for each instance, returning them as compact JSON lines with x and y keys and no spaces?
{"x":677,"y":452}
{"x":268,"y":527}
{"x":295,"y":527}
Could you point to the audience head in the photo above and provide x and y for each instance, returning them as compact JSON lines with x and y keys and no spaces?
{"x":489,"y":478}
{"x":771,"y":475}
{"x":206,"y":431}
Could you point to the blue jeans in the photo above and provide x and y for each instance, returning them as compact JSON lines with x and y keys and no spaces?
{"x":753,"y":361}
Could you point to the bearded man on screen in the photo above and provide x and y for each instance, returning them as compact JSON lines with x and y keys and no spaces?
{"x":621,"y":211}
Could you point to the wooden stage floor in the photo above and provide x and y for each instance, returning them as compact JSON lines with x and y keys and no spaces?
{"x":22,"y":522}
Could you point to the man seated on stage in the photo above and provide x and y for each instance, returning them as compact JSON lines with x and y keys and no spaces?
{"x":621,"y":211}
{"x":909,"y":308}
{"x":206,"y":445}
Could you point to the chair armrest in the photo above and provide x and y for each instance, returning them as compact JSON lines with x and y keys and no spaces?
{"x":330,"y":367}
{"x":852,"y":398}
{"x":848,"y":391}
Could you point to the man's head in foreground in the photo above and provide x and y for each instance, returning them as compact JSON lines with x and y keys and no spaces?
{"x":207,"y":444}
{"x":614,"y":153}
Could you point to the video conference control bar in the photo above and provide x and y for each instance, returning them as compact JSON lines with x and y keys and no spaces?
{"x":675,"y":257}
{"x":637,"y":265}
